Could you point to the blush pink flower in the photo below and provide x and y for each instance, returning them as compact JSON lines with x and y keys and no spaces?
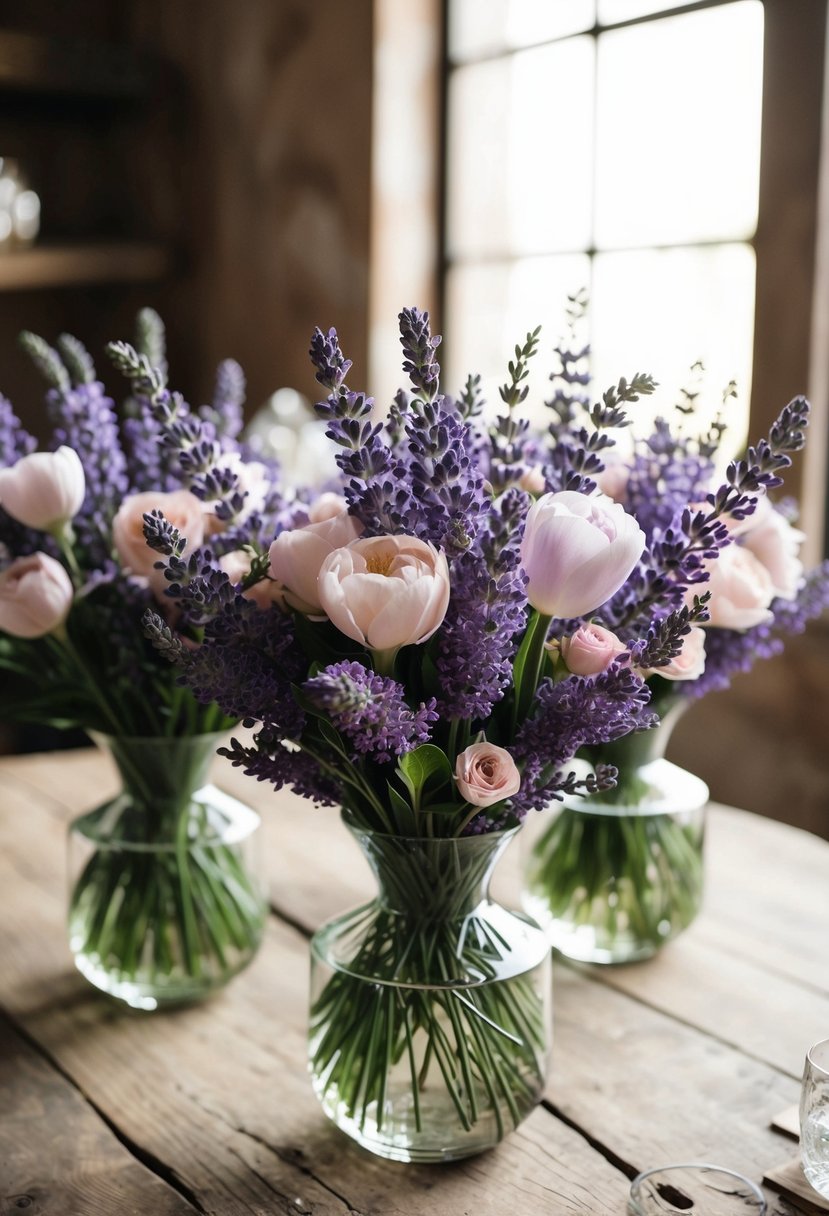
{"x":741,"y":589}
{"x":590,"y":650}
{"x":180,"y":508}
{"x":776,"y":544}
{"x":36,"y":594}
{"x":44,"y":490}
{"x":266,"y":592}
{"x":326,"y":506}
{"x":689,"y":664}
{"x":613,"y":479}
{"x":577,"y":551}
{"x":486,"y":774}
{"x":386,"y":591}
{"x":297,"y":557}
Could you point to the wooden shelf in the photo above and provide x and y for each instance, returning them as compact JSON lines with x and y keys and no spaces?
{"x":33,"y":64}
{"x":77,"y":265}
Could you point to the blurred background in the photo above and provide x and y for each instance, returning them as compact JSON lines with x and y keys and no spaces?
{"x":253,"y":168}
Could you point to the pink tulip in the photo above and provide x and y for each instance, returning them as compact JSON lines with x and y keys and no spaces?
{"x":297,"y":557}
{"x":577,"y":551}
{"x":266,"y":592}
{"x":385,"y":591}
{"x":689,"y":664}
{"x":45,"y":489}
{"x":741,"y":589}
{"x":591,"y":650}
{"x":36,"y":594}
{"x":180,"y":508}
{"x":486,"y":774}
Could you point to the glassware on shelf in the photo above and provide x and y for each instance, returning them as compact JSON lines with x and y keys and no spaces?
{"x":19,"y":207}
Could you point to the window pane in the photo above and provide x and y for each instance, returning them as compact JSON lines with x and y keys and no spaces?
{"x":477,"y":29}
{"x":678,"y":128}
{"x":490,"y":308}
{"x":513,"y":188}
{"x":660,"y":310}
{"x":611,"y":11}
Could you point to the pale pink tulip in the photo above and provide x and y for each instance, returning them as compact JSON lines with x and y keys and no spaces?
{"x":180,"y":508}
{"x":776,"y":544}
{"x":741,"y":589}
{"x":297,"y":557}
{"x":689,"y":664}
{"x":326,"y":506}
{"x":486,"y":774}
{"x":36,"y":594}
{"x":577,"y":551}
{"x":266,"y":592}
{"x":591,"y":650}
{"x":44,"y":490}
{"x":385,"y":591}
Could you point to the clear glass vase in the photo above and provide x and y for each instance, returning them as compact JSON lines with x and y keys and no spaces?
{"x":614,"y":877}
{"x":430,"y":1022}
{"x":167,"y":897}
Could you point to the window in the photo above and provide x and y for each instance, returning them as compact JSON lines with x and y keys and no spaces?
{"x":608,"y":146}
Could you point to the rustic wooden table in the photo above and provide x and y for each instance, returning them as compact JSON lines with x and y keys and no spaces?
{"x":209,"y":1109}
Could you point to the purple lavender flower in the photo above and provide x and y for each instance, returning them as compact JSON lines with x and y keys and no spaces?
{"x":370,"y":710}
{"x":419,"y":347}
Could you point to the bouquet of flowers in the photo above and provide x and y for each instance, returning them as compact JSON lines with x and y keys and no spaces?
{"x":162,"y":906}
{"x":418,"y":663}
{"x":615,"y":877}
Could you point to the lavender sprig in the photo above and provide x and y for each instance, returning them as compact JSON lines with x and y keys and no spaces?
{"x":419,"y":347}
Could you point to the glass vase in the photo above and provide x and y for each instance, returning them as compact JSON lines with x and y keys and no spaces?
{"x":167,"y":898}
{"x":430,"y":1021}
{"x":613,"y":877}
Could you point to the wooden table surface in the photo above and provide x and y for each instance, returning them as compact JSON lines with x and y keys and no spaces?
{"x":209,"y":1109}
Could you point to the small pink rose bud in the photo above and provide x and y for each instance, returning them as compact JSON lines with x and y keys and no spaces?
{"x":591,"y":650}
{"x":36,"y":594}
{"x":689,"y":664}
{"x":44,"y":490}
{"x":577,"y":551}
{"x":180,"y":508}
{"x":532,"y":482}
{"x":486,"y":774}
{"x":297,"y":557}
{"x":385,"y":591}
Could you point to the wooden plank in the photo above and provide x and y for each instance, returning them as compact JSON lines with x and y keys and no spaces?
{"x":72,"y":266}
{"x":58,"y":1154}
{"x":220,"y":1093}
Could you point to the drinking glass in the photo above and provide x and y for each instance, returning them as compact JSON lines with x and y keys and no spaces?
{"x":814,"y":1117}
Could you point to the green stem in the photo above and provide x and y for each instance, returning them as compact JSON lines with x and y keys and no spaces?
{"x":532,"y":653}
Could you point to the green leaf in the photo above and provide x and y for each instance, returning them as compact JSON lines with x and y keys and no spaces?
{"x":403,"y":814}
{"x":426,"y":765}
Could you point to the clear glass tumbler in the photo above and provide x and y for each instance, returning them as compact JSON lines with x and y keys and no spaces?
{"x":814,"y":1117}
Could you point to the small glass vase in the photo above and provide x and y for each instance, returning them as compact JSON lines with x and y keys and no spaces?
{"x":167,"y":897}
{"x":431,"y":1022}
{"x":614,"y":877}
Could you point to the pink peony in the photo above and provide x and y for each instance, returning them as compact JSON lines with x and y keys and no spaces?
{"x":180,"y":508}
{"x":36,"y":594}
{"x":386,"y":591}
{"x":577,"y":551}
{"x":297,"y":557}
{"x":486,"y":774}
{"x":591,"y":650}
{"x":45,"y":489}
{"x":741,"y":589}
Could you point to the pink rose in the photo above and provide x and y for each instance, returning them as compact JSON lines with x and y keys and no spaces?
{"x":297,"y":557}
{"x":326,"y":506}
{"x":36,"y":594}
{"x":689,"y":664}
{"x":486,"y":774}
{"x":591,"y":650}
{"x":577,"y":551}
{"x":180,"y":508}
{"x":385,"y":591}
{"x":776,"y":545}
{"x":236,"y":566}
{"x":741,"y":589}
{"x":45,"y":489}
